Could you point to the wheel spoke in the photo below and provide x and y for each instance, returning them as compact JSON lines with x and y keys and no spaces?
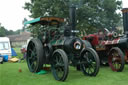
{"x":91,"y":67}
{"x":32,"y":65}
{"x":59,"y":65}
{"x":116,"y":59}
{"x":89,"y":70}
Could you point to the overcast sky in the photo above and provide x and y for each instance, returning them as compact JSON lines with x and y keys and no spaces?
{"x":12,"y":13}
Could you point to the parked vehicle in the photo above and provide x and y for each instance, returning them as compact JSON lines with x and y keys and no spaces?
{"x":111,"y":48}
{"x":5,"y":47}
{"x":1,"y":59}
{"x":57,"y":45}
{"x":24,"y":51}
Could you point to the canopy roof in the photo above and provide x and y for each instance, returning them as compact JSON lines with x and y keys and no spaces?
{"x":46,"y":21}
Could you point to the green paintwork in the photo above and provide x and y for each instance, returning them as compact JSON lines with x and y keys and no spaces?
{"x":32,"y":21}
{"x":57,"y":42}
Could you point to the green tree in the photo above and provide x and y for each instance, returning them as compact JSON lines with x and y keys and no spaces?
{"x":18,"y":31}
{"x":24,"y":27}
{"x":2,"y":31}
{"x":92,"y":15}
{"x":10,"y":32}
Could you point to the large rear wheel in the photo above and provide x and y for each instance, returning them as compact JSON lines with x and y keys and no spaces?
{"x":116,"y":59}
{"x":35,"y":55}
{"x":59,"y":65}
{"x":90,"y":63}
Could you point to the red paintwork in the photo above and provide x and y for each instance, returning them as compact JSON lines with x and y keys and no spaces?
{"x":110,"y":35}
{"x":110,"y":42}
{"x":96,"y":40}
{"x":126,"y":55}
{"x":112,"y":64}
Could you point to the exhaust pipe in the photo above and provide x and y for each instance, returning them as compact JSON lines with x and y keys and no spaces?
{"x":72,"y":16}
{"x":125,"y":20}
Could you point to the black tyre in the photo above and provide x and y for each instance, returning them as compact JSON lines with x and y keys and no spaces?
{"x":1,"y":62}
{"x":35,"y":55}
{"x":1,"y":59}
{"x":59,"y":65}
{"x":90,"y":62}
{"x":116,"y":59}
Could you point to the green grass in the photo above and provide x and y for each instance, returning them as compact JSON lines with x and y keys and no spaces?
{"x":9,"y":75}
{"x":18,"y":51}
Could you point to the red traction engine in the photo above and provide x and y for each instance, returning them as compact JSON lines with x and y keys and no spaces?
{"x":112,"y":49}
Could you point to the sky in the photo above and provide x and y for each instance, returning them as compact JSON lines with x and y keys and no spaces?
{"x":12,"y":13}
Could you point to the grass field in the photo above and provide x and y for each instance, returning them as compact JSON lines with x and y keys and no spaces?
{"x":18,"y":51}
{"x":10,"y":75}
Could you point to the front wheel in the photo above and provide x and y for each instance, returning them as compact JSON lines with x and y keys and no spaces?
{"x":90,"y":62}
{"x":116,"y":59}
{"x":35,"y":55}
{"x":59,"y":65}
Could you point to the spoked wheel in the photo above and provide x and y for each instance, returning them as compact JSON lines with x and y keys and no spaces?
{"x":35,"y":58}
{"x":116,"y":59}
{"x":90,"y":63}
{"x":59,"y":65}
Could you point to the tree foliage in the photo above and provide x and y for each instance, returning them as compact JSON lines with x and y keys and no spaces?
{"x":4,"y":32}
{"x":92,"y":15}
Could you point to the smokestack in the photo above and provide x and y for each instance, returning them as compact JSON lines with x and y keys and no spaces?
{"x":125,"y":20}
{"x":72,"y":15}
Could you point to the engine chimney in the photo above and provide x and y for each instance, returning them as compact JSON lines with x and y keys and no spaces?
{"x":72,"y":15}
{"x":125,"y":20}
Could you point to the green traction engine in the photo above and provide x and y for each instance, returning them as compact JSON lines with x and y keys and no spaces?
{"x":58,"y":46}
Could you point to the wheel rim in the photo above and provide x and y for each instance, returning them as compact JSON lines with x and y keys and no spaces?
{"x":115,"y":60}
{"x":88,"y":63}
{"x":32,"y":57}
{"x":58,"y":67}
